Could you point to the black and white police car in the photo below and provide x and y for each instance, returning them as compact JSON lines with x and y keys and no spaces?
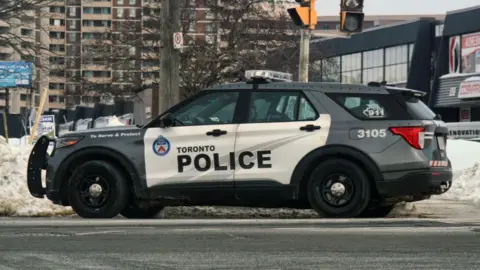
{"x":345,"y":150}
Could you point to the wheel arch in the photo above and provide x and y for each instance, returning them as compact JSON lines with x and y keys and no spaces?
{"x":100,"y":153}
{"x":308,"y":163}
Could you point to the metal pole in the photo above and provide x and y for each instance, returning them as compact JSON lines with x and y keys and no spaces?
{"x":304,"y":55}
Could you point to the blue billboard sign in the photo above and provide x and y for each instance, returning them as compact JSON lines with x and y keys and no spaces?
{"x":16,"y":74}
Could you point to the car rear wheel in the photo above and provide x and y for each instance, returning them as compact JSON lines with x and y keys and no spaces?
{"x":97,"y":189}
{"x":134,"y":211}
{"x":338,"y":188}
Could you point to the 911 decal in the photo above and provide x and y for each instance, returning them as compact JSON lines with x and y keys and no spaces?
{"x":371,"y":133}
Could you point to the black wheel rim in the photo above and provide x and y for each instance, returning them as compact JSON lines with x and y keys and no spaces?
{"x":88,"y":189}
{"x":336,"y":190}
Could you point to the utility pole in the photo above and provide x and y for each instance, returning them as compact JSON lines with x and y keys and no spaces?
{"x":304,"y":16}
{"x":168,"y":92}
{"x":304,"y":55}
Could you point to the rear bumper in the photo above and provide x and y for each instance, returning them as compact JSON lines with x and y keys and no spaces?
{"x":36,"y":163}
{"x":415,"y":183}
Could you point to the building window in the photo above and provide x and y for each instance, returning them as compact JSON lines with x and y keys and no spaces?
{"x":352,"y":68}
{"x":119,"y":12}
{"x":56,"y":22}
{"x":132,"y":2}
{"x":132,"y":13}
{"x":72,"y":36}
{"x":73,"y":11}
{"x":372,"y":66}
{"x":396,"y":64}
{"x":410,"y":51}
{"x":331,"y":69}
{"x":71,"y":24}
{"x":119,"y":2}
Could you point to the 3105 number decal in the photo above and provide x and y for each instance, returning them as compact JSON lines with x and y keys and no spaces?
{"x":371,"y":133}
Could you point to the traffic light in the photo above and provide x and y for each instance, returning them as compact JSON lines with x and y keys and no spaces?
{"x":304,"y":16}
{"x":351,"y":16}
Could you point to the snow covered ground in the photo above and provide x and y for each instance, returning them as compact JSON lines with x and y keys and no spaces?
{"x":15,"y":200}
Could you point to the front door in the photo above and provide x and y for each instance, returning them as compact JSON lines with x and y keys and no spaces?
{"x":195,"y":152}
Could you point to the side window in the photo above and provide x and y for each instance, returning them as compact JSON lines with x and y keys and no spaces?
{"x":210,"y":109}
{"x":281,"y":106}
{"x":306,"y":112}
{"x":370,"y":106}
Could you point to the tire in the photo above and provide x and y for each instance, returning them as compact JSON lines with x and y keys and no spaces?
{"x":357,"y":189}
{"x":114,"y":190}
{"x":133,"y":211}
{"x":377,"y":211}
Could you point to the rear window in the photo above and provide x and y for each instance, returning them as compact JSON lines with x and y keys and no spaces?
{"x":383,"y":107}
{"x":418,"y":110}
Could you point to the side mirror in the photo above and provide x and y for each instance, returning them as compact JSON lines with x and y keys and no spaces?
{"x":166,"y":121}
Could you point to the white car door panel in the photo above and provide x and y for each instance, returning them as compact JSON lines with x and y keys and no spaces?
{"x":182,"y":155}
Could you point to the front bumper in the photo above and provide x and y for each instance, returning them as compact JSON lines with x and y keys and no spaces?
{"x":36,"y":163}
{"x":415,"y":183}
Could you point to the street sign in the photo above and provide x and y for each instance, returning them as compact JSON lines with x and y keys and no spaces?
{"x":177,"y":40}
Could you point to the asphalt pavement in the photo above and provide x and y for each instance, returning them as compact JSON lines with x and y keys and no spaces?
{"x":239,"y":244}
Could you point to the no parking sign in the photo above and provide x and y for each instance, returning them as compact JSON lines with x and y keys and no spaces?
{"x":177,"y":40}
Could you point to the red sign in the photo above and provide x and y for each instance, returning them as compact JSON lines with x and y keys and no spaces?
{"x":469,"y":89}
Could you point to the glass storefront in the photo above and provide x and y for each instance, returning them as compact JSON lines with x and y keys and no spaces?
{"x":389,"y":64}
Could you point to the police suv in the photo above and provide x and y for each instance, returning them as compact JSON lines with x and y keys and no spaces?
{"x":344,"y":150}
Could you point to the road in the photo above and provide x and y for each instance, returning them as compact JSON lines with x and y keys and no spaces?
{"x":239,"y":244}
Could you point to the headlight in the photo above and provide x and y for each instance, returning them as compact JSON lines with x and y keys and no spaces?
{"x":67,"y":141}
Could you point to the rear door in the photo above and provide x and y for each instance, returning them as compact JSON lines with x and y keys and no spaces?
{"x":282,"y":127}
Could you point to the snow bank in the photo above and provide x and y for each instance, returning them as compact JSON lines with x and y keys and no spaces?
{"x":15,"y":200}
{"x":465,"y":158}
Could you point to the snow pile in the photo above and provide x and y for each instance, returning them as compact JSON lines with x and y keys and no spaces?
{"x":465,"y":158}
{"x":15,"y":200}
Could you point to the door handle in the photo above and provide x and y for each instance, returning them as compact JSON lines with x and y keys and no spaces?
{"x":309,"y":128}
{"x":216,"y":133}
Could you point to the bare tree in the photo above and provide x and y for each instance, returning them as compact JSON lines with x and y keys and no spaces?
{"x":230,"y":38}
{"x":245,"y":34}
{"x":16,"y":14}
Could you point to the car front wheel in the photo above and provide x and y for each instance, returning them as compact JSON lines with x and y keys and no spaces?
{"x":97,"y":189}
{"x":338,"y":188}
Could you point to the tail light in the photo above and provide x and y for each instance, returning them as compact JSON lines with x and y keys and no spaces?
{"x":415,"y":136}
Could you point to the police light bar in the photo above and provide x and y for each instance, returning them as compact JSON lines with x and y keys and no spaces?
{"x":269,"y":74}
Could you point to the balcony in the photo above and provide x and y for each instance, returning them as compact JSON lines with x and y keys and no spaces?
{"x":98,"y":80}
{"x":90,"y":3}
{"x":96,"y":29}
{"x":56,"y":28}
{"x":57,"y":53}
{"x":90,"y":16}
{"x":57,"y":41}
{"x":56,"y":92}
{"x":53,"y":79}
{"x":95,"y":67}
{"x":56,"y":15}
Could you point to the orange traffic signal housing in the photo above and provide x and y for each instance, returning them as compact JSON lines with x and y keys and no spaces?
{"x":303,"y":16}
